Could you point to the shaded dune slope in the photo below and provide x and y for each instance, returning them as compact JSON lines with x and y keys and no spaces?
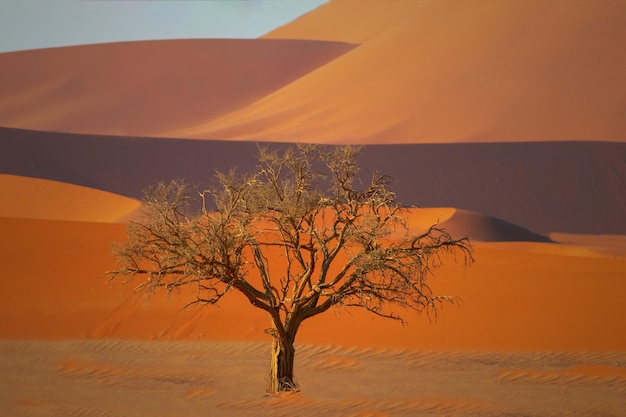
{"x":436,"y":71}
{"x":146,"y":88}
{"x":550,"y":186}
{"x":575,"y":187}
{"x":35,"y":198}
{"x":479,"y":227}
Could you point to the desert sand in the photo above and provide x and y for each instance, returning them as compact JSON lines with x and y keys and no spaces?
{"x":501,"y":121}
{"x":137,"y":378}
{"x":539,"y":331}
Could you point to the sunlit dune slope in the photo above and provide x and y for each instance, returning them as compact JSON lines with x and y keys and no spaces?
{"x":572,"y":187}
{"x":146,"y":88}
{"x":449,"y":71}
{"x":344,"y":20}
{"x":517,"y":296}
{"x":53,"y":279}
{"x":35,"y":198}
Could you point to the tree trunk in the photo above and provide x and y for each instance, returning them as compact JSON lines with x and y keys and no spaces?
{"x":281,"y":365}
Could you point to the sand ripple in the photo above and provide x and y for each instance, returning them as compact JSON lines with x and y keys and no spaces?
{"x":133,"y":378}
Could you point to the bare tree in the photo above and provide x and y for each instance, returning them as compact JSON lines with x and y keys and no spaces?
{"x":296,"y":237}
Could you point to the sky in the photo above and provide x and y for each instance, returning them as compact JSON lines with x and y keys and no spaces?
{"x":33,"y":24}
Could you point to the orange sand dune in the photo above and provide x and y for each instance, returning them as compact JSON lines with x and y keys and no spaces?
{"x":517,"y":296}
{"x":147,"y":88}
{"x":448,"y":71}
{"x":34,"y":198}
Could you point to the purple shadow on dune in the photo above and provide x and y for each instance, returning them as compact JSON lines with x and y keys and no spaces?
{"x":574,"y":187}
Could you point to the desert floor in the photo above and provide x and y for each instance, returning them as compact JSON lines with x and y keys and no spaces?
{"x":198,"y":378}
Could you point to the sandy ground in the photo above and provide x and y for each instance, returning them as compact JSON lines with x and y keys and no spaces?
{"x":134,"y":378}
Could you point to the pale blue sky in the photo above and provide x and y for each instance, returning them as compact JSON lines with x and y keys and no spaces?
{"x":32,"y":24}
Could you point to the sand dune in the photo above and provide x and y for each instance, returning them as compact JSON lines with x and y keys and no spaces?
{"x":350,"y":71}
{"x":58,"y":291}
{"x":34,"y":198}
{"x":146,"y":88}
{"x":432,"y":71}
{"x":572,"y":187}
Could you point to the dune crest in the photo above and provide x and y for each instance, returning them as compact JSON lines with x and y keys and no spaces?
{"x":33,"y":198}
{"x":342,"y":20}
{"x":147,"y":88}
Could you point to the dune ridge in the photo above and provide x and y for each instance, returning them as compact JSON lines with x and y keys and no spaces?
{"x":35,"y":198}
{"x":330,"y":21}
{"x":148,"y":87}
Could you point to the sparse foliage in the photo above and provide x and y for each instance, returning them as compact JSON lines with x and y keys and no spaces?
{"x":296,"y":237}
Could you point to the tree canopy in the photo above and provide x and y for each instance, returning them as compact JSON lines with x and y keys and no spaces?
{"x":299,"y":234}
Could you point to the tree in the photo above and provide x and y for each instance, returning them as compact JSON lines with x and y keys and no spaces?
{"x":300,"y":211}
